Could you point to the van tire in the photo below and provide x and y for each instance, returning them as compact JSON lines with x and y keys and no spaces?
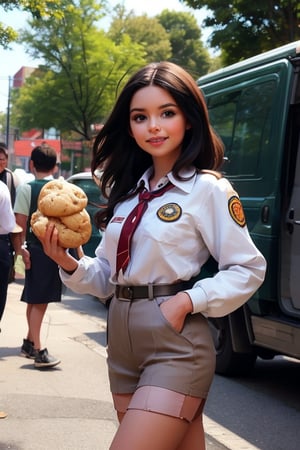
{"x":229,"y":362}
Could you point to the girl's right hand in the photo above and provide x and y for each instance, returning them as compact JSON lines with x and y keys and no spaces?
{"x":50,"y":244}
{"x":59,"y":254}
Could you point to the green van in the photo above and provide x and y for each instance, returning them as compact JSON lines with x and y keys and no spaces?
{"x":254,"y":106}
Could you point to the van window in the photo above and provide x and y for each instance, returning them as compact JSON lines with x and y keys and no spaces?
{"x":242,"y":118}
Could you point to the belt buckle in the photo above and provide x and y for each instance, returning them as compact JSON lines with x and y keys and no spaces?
{"x":124,"y":293}
{"x":129,"y":292}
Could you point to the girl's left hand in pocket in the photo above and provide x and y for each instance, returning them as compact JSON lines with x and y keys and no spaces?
{"x":176,"y":308}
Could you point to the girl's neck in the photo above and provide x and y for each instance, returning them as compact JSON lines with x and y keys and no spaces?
{"x":155,"y":178}
{"x":159,"y":171}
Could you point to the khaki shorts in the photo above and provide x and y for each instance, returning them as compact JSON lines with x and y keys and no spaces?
{"x":145,"y":350}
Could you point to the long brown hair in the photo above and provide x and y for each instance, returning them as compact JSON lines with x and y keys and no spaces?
{"x":123,"y":162}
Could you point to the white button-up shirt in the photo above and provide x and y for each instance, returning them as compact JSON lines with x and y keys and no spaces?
{"x":7,"y":217}
{"x":176,"y":236}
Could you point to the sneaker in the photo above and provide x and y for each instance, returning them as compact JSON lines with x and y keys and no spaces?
{"x":43,"y":359}
{"x":28,"y":350}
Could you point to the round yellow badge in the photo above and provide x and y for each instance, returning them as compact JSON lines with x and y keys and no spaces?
{"x":169,"y":212}
{"x":236,"y":210}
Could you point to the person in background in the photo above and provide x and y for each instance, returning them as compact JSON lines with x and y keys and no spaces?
{"x":42,"y":282}
{"x":168,"y":210}
{"x":8,"y":177}
{"x":7,"y":225}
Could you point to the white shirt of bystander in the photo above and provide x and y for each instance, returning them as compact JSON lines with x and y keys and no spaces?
{"x":7,"y":217}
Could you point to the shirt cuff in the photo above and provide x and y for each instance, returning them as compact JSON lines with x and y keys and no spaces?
{"x":69,"y":272}
{"x":66,"y":273}
{"x":199,"y":299}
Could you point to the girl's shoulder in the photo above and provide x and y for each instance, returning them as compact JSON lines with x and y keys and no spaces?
{"x":213,"y":178}
{"x":214,"y":173}
{"x":210,"y":183}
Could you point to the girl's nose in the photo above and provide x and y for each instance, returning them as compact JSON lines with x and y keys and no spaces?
{"x":154,"y":126}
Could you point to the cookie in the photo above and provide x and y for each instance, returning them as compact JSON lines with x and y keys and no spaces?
{"x":59,"y":198}
{"x":73,"y":230}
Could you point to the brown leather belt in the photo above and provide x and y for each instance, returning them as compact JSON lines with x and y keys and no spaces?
{"x":149,"y":291}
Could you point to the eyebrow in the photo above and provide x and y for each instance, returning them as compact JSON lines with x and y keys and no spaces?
{"x":166,"y":105}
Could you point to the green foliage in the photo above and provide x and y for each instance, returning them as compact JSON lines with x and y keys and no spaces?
{"x":147,"y":31}
{"x":83,"y":67}
{"x":185,"y":38}
{"x":243,"y":28}
{"x":43,"y":8}
{"x":7,"y":35}
{"x":2,"y":123}
{"x":173,"y":36}
{"x":38,"y":9}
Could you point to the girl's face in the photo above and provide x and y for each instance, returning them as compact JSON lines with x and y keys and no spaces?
{"x":157,"y":124}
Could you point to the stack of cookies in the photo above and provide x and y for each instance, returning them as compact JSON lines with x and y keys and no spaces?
{"x":63,"y":204}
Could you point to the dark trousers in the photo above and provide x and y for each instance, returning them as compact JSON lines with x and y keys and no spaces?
{"x":6,"y":258}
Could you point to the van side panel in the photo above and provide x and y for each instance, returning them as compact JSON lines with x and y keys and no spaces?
{"x":249,"y":111}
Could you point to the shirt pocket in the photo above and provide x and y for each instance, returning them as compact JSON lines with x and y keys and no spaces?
{"x":171,"y":234}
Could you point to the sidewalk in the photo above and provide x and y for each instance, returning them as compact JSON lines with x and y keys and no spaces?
{"x":68,"y":407}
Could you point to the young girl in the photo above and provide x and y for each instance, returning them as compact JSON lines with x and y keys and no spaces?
{"x":161,"y":358}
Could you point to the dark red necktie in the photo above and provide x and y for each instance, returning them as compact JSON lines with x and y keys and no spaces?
{"x":130,"y":224}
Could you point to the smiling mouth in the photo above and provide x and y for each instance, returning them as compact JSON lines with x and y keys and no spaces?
{"x":156,"y":140}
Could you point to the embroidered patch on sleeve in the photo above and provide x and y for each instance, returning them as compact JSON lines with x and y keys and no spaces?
{"x":236,"y":210}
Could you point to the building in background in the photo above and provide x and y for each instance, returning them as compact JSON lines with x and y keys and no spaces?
{"x":20,"y":77}
{"x":73,"y":155}
{"x":24,"y":147}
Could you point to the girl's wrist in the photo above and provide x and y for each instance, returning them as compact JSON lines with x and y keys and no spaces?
{"x":69,"y":266}
{"x":186,"y":302}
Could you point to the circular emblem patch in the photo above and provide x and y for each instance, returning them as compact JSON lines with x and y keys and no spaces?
{"x":169,"y":212}
{"x":236,"y":210}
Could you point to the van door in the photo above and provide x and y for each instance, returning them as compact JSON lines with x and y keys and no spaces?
{"x":290,"y":272}
{"x":249,"y":111}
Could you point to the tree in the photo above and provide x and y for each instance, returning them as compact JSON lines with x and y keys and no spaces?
{"x":147,"y":31}
{"x":2,"y":125}
{"x":83,"y":67}
{"x":185,"y":38}
{"x":37,"y":8}
{"x":243,"y":28}
{"x":171,"y":35}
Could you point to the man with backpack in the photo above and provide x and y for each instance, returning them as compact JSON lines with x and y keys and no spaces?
{"x":42,"y":282}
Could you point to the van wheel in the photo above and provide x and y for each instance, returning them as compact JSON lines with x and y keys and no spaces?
{"x":228,"y":362}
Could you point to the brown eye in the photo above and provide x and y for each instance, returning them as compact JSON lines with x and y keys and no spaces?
{"x":169,"y":113}
{"x":138,"y":118}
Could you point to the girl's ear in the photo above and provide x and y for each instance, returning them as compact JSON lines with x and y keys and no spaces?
{"x":188,"y":126}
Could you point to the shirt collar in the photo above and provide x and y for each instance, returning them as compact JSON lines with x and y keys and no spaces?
{"x":184,"y":185}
